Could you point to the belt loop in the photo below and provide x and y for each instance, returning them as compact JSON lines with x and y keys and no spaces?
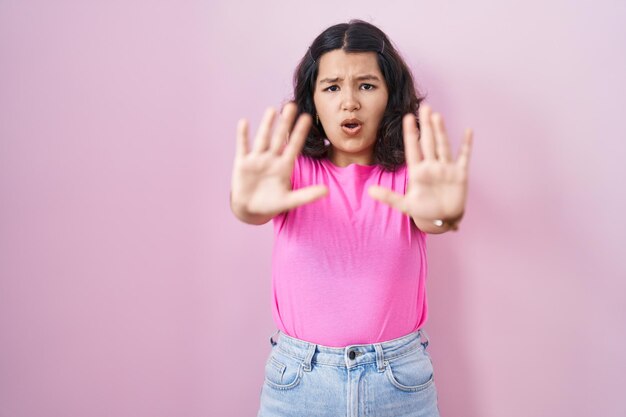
{"x":423,"y":333}
{"x":272,"y":342}
{"x":309,"y":357}
{"x":380,"y":357}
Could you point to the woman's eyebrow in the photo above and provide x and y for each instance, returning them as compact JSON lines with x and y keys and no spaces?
{"x":367,"y":77}
{"x":359,"y":78}
{"x":330,"y":80}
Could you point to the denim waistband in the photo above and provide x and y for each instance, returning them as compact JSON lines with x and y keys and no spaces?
{"x":352,"y":355}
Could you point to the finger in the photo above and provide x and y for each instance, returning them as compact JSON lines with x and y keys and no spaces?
{"x":441,"y":138}
{"x":388,"y":197}
{"x":262,"y":139}
{"x":282,"y":131}
{"x":466,"y":149}
{"x":298,"y":137}
{"x":410,"y":133}
{"x":242,"y":138}
{"x":305,"y":195}
{"x":426,"y":136}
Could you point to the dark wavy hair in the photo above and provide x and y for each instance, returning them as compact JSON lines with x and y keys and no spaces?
{"x":360,"y":36}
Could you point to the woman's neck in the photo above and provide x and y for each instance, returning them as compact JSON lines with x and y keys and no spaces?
{"x":342,"y":159}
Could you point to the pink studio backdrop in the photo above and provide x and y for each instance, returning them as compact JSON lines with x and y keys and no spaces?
{"x":127,"y":288}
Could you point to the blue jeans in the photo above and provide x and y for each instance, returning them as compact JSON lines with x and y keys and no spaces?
{"x":387,"y":379}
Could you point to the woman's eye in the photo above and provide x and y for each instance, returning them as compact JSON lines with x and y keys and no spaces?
{"x":367,"y":86}
{"x":331,"y":88}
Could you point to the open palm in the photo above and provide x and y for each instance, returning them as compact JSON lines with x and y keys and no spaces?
{"x":261,"y":177}
{"x":437,"y":185}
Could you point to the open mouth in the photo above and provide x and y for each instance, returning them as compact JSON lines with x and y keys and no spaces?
{"x":351,"y":127}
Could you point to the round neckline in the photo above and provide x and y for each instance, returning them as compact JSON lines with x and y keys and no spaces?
{"x":353,"y":167}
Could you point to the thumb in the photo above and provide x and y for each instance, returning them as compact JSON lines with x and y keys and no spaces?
{"x":387,"y":196}
{"x":305,"y":195}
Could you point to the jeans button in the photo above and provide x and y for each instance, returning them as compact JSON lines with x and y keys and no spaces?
{"x":352,"y":354}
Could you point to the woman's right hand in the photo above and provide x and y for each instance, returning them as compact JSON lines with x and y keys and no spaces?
{"x":261,"y":181}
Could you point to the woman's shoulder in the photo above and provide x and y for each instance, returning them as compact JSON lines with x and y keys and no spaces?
{"x":303,"y":158}
{"x":308,"y":163}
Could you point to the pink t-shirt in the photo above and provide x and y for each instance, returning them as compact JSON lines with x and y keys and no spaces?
{"x":347,"y":269}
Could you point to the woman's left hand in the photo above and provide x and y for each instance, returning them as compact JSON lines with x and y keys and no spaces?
{"x":437,"y":185}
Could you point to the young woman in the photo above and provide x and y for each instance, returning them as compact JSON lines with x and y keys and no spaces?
{"x":352,"y":189}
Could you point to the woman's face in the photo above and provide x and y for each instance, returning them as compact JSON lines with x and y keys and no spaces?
{"x":350,"y":97}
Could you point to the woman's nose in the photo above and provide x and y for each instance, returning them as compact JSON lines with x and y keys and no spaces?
{"x":350,"y":101}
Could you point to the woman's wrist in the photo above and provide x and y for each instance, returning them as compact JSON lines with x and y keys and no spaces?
{"x":451,"y":223}
{"x":242,"y":213}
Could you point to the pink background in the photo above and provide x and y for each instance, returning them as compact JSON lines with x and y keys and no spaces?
{"x":128,"y":288}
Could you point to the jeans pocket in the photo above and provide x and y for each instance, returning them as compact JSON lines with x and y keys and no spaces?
{"x":411,"y":372}
{"x":282,"y":371}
